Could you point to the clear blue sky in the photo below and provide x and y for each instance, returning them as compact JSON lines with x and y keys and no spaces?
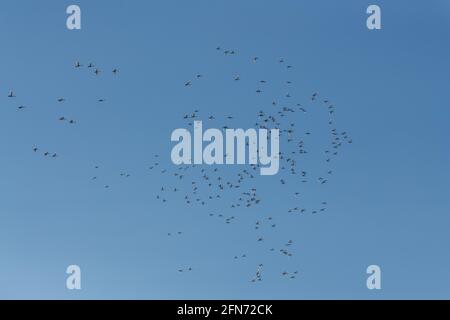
{"x":387,"y":199}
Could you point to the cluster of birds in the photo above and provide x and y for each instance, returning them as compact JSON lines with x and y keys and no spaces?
{"x":96,"y":177}
{"x":188,"y":269}
{"x":200,"y":185}
{"x":12,"y":94}
{"x":231,"y":190}
{"x":95,"y":69}
{"x":46,"y":153}
{"x":258,"y":273}
{"x":77,"y":65}
{"x":291,"y":275}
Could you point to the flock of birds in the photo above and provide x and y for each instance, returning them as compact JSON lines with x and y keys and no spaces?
{"x":200,"y":185}
{"x":232,"y":190}
{"x":77,"y":65}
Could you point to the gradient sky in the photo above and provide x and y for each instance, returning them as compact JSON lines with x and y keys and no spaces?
{"x":388,"y":201}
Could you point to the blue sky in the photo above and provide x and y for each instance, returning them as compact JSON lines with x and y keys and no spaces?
{"x":387,"y":199}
